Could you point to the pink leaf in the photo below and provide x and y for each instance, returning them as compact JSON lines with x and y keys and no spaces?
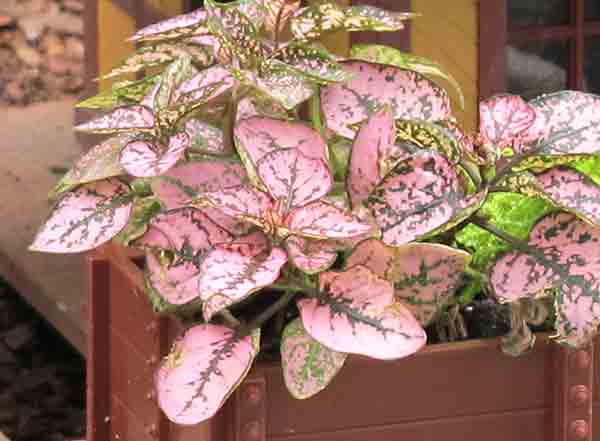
{"x":124,"y":119}
{"x":503,"y":118}
{"x":85,"y":218}
{"x":355,"y":313}
{"x":292,"y":177}
{"x":564,"y":259}
{"x":410,"y":95}
{"x":310,"y":256}
{"x":173,"y":27}
{"x":425,"y":275}
{"x":202,"y":370}
{"x":229,"y":275}
{"x":242,"y":202}
{"x":323,"y":220}
{"x":143,"y":159}
{"x":308,"y":366}
{"x":374,"y":138}
{"x":251,"y":106}
{"x":420,"y":195}
{"x":206,"y":138}
{"x":573,"y":191}
{"x":216,"y":80}
{"x":176,"y":283}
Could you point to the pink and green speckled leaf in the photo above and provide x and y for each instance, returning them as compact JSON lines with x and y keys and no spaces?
{"x":176,"y":74}
{"x":241,"y":202}
{"x":205,"y":85}
{"x":100,"y":162}
{"x":176,"y":27}
{"x":257,"y":136}
{"x":354,"y":312}
{"x":256,"y":105}
{"x":85,"y":218}
{"x":371,"y":18}
{"x":373,"y":139}
{"x":313,"y":62}
{"x":324,"y":220}
{"x":409,"y":94}
{"x":294,"y":178}
{"x":431,"y":136}
{"x":308,"y":366}
{"x":309,"y":255}
{"x":572,"y":190}
{"x":503,"y":119}
{"x":229,"y":274}
{"x":144,"y":159}
{"x":420,"y":195}
{"x":425,"y":275}
{"x":206,"y":138}
{"x":134,"y":118}
{"x":176,"y":283}
{"x":564,"y":258}
{"x":568,"y":122}
{"x":278,"y":13}
{"x":203,"y":368}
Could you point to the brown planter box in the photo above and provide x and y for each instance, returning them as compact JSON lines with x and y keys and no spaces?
{"x":462,"y":391}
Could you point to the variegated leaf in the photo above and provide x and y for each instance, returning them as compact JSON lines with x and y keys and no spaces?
{"x":324,"y":220}
{"x":573,"y":191}
{"x":134,"y":118}
{"x":174,"y":76}
{"x":371,"y":18}
{"x":374,"y":139}
{"x":202,"y":370}
{"x":176,"y":27}
{"x":175,"y":283}
{"x":256,"y":105}
{"x":229,"y":275}
{"x":381,"y":54}
{"x":312,"y":21}
{"x":310,"y":256}
{"x":564,"y":257}
{"x":419,"y":196}
{"x":243,"y":202}
{"x":313,"y":62}
{"x":277,"y":81}
{"x":409,"y":94}
{"x":503,"y":119}
{"x":354,"y":312}
{"x":100,"y":162}
{"x":205,"y":86}
{"x":431,"y":136}
{"x":145,"y":159}
{"x":205,"y":138}
{"x":85,"y":218}
{"x":294,"y":178}
{"x":425,"y":275}
{"x":257,"y":136}
{"x":567,"y":122}
{"x":143,"y":211}
{"x":278,"y":11}
{"x":122,"y":93}
{"x":308,"y":366}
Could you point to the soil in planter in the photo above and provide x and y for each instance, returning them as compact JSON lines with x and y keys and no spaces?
{"x":42,"y":378}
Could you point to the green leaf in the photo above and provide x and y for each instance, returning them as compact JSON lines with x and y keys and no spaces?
{"x":387,"y":55}
{"x":144,"y":209}
{"x":589,"y":166}
{"x":514,"y":213}
{"x":174,"y":75}
{"x":428,"y":135}
{"x":122,"y":93}
{"x":370,"y":18}
{"x":340,"y":151}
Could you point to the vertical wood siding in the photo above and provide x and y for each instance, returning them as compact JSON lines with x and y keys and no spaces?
{"x":447,"y":32}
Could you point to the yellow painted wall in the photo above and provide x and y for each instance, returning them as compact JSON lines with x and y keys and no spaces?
{"x":447,"y":32}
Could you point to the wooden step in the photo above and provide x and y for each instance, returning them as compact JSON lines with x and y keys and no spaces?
{"x":35,"y":141}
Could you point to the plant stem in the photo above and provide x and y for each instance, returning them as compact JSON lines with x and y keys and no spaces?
{"x":278,"y":24}
{"x":515,"y":242}
{"x":230,"y":319}
{"x":315,"y":112}
{"x":264,"y":316}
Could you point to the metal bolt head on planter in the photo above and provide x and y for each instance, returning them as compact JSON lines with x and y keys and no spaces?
{"x":346,"y":233}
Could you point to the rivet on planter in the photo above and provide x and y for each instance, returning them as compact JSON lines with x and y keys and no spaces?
{"x":252,"y":431}
{"x":579,"y":395}
{"x":152,"y":430}
{"x":582,"y":359}
{"x":252,"y":394}
{"x":152,"y":360}
{"x":152,"y":328}
{"x":151,"y":395}
{"x":579,"y":430}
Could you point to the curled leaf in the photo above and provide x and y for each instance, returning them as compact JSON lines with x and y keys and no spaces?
{"x":134,"y":118}
{"x":308,"y":366}
{"x":309,"y":255}
{"x":205,"y":138}
{"x":144,"y":159}
{"x":202,"y":370}
{"x":354,"y":312}
{"x":175,"y":27}
{"x":85,"y":218}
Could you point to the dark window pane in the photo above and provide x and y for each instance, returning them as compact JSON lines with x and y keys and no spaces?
{"x":591,"y":81}
{"x":537,"y":12}
{"x":592,"y":10}
{"x":538,"y":67}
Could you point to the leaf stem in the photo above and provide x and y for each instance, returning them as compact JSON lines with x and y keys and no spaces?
{"x":515,"y":242}
{"x":264,"y":316}
{"x":230,"y":319}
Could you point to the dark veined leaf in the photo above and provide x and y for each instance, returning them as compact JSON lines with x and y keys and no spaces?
{"x":308,"y":366}
{"x":409,"y":94}
{"x":278,"y":11}
{"x":144,"y":209}
{"x":202,"y":370}
{"x":100,"y":162}
{"x":176,"y":73}
{"x":85,"y":218}
{"x":259,"y":104}
{"x":564,"y":258}
{"x":425,"y":276}
{"x":134,"y":118}
{"x":205,"y":138}
{"x":429,"y":135}
{"x":309,"y":255}
{"x":146,"y":158}
{"x":175,"y":27}
{"x":354,"y":312}
{"x":380,"y":54}
{"x":206,"y":85}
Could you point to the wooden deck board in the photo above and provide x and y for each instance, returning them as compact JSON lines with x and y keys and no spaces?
{"x":32,"y":140}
